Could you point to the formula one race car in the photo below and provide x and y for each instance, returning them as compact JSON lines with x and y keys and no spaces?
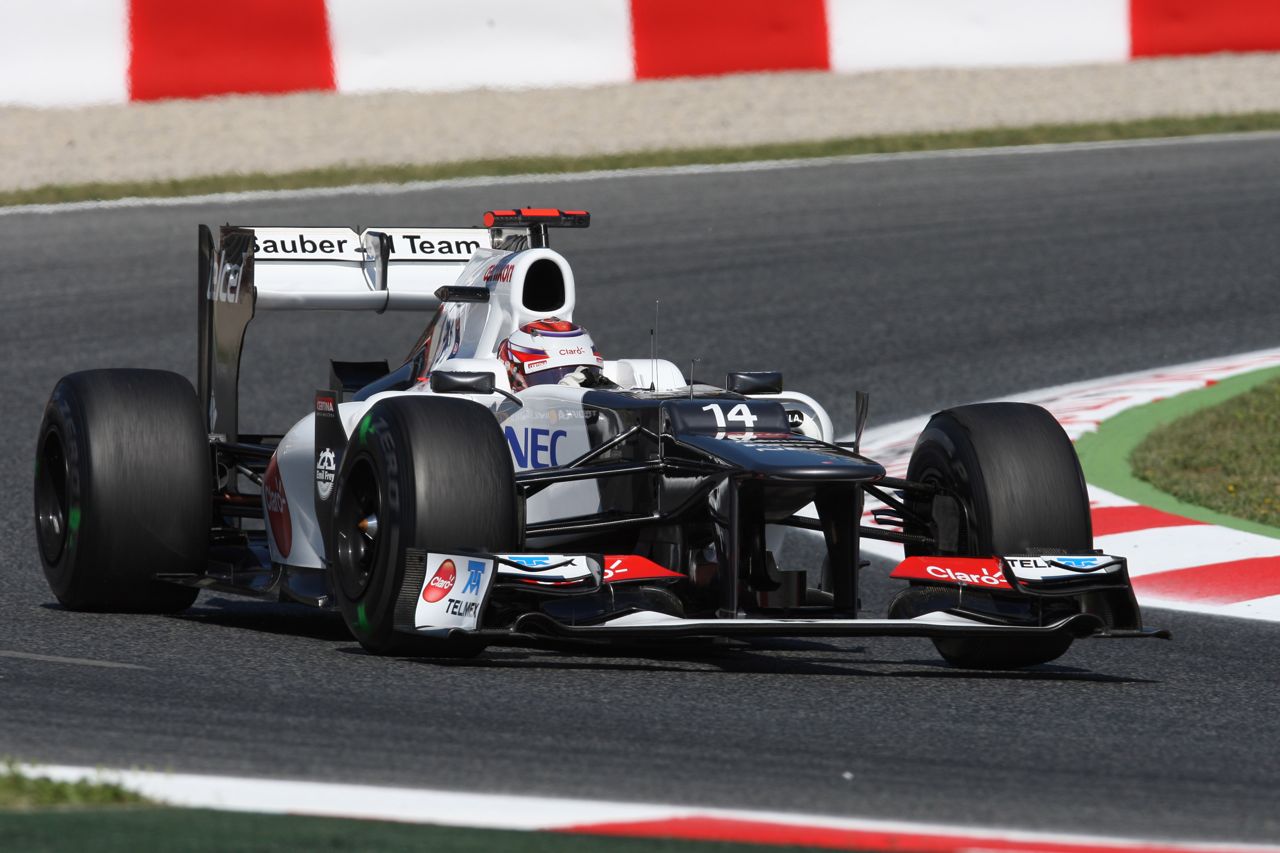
{"x":464,"y":498}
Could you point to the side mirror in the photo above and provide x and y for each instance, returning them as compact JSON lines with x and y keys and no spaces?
{"x":758,"y":382}
{"x":449,"y":382}
{"x":462,"y":293}
{"x":377,"y":255}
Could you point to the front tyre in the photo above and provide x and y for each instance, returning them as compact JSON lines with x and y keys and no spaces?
{"x":1019,"y":482}
{"x":976,"y":652}
{"x":122,"y":490}
{"x":431,"y":473}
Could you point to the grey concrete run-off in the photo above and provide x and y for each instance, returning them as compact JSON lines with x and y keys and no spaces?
{"x":181,"y":139}
{"x":928,"y":282}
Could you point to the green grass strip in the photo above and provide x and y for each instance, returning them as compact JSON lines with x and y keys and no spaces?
{"x":204,"y":831}
{"x":1225,"y":458}
{"x":338,"y":176}
{"x":1106,"y":454}
{"x":18,"y":791}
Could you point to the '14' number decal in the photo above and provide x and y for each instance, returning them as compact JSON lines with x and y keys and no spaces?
{"x":739,"y":414}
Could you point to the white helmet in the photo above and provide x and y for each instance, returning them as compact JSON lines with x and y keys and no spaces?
{"x":546,"y":351}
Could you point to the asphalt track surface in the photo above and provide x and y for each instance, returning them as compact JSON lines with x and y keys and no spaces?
{"x":928,"y":282}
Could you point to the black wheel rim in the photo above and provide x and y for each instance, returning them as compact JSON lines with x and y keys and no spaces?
{"x":934,"y":476}
{"x":53,"y":512}
{"x":356,"y":543}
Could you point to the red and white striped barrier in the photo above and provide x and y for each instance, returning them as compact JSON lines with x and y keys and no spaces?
{"x":1175,"y":562}
{"x":596,"y":817}
{"x":64,"y":52}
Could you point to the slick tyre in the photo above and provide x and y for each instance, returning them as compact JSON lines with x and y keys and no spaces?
{"x":437,"y":475}
{"x":1018,"y":477}
{"x":122,"y":490}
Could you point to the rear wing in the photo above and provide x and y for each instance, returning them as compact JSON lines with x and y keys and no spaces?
{"x":247,"y":269}
{"x":379,"y":269}
{"x":244,"y":269}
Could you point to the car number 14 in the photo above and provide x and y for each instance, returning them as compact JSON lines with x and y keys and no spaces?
{"x":739,"y":414}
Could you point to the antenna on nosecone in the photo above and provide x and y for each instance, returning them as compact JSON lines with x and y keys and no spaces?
{"x":653,"y":350}
{"x":692,"y":363}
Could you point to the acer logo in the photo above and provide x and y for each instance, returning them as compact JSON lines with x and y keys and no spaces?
{"x":225,"y":284}
{"x":441,"y":582}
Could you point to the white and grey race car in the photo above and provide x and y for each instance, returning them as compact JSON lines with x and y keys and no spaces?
{"x":441,"y":512}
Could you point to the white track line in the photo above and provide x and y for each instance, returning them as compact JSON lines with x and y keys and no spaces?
{"x":503,"y":811}
{"x":391,"y":189}
{"x":73,"y":661}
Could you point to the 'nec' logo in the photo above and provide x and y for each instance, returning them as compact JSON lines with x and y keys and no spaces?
{"x":535,"y":447}
{"x":475,"y":574}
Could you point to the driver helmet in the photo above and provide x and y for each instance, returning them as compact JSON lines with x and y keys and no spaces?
{"x":548,"y":351}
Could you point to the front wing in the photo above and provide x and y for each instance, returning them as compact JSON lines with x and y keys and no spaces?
{"x":445,"y":595}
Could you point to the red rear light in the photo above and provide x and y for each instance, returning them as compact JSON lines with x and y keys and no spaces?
{"x":546,"y":216}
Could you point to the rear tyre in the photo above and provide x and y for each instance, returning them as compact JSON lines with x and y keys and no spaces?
{"x":122,"y":490}
{"x":437,"y":475}
{"x":1015,"y":470}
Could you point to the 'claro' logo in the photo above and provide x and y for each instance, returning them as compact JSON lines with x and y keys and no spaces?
{"x":441,"y":582}
{"x":277,"y":509}
{"x":987,"y":578}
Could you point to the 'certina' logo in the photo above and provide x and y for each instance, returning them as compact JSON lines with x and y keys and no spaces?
{"x":441,"y":582}
{"x":499,"y":273}
{"x":325,"y":467}
{"x":986,"y":578}
{"x":324,"y":404}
